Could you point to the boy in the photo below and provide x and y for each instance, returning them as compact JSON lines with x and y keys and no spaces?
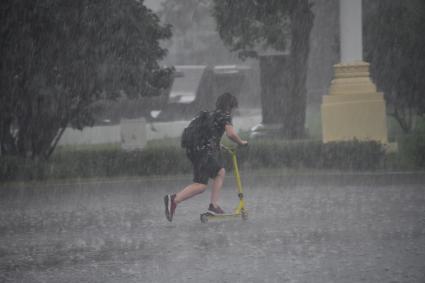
{"x":205,"y":159}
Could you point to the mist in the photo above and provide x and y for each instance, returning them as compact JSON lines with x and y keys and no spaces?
{"x":94,"y":100}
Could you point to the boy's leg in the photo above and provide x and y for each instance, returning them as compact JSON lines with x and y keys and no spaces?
{"x":216,"y":187}
{"x":171,"y":201}
{"x":200,"y":178}
{"x":190,"y":191}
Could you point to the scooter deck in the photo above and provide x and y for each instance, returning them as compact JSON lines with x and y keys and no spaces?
{"x":208,"y":216}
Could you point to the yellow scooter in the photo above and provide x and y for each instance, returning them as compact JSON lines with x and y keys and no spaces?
{"x":240,"y":210}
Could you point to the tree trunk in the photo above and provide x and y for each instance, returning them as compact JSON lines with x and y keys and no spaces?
{"x":274,"y":80}
{"x":283,"y":78}
{"x":301,"y":25}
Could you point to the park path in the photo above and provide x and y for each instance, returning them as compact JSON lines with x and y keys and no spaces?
{"x":301,"y":228}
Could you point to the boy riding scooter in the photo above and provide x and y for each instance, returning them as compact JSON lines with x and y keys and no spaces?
{"x":202,"y":144}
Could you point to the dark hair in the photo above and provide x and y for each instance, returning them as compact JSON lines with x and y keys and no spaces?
{"x":226,"y":102}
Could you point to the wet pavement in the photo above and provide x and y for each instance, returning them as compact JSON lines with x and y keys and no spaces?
{"x":300,"y":228}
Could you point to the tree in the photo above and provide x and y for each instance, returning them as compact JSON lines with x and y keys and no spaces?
{"x":59,"y":57}
{"x":394,"y":46}
{"x":246,"y":26}
{"x":195,"y":40}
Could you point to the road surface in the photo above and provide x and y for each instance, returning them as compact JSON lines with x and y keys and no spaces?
{"x":301,"y":228}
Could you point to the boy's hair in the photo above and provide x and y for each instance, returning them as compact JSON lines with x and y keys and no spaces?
{"x":226,"y":102}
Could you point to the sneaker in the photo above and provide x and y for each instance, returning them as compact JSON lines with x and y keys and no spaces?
{"x":170,"y":206}
{"x":215,"y":210}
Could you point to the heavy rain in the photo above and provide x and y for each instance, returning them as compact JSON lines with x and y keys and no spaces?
{"x":310,"y":138}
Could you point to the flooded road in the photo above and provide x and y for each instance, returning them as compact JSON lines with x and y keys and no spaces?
{"x":300,"y":228}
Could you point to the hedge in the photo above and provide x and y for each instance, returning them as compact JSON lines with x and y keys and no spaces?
{"x":412,"y":149}
{"x":353,"y":155}
{"x":165,"y":159}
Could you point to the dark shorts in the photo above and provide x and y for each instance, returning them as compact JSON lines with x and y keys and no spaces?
{"x":205,"y":166}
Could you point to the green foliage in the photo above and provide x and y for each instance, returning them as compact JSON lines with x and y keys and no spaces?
{"x":394,"y":46}
{"x":102,"y":163}
{"x":58,"y":57}
{"x":107,"y":162}
{"x":412,"y":148}
{"x":167,"y":158}
{"x":17,"y":168}
{"x":247,"y":25}
{"x":350,"y":155}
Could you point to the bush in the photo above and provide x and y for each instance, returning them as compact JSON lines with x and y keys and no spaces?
{"x":351,"y":155}
{"x":17,"y":168}
{"x":117,"y":162}
{"x":169,"y":158}
{"x":412,"y":148}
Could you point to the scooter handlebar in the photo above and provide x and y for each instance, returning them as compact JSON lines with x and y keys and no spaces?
{"x":233,"y":149}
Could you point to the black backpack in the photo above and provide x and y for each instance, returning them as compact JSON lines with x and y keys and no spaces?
{"x":198,"y":132}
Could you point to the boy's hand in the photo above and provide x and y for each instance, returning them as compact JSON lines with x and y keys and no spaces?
{"x":244,"y":143}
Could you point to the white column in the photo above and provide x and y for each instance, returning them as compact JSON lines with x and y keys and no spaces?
{"x":351,"y":30}
{"x":353,"y":109}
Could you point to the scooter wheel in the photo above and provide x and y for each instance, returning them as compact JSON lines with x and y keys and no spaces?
{"x":244,"y":215}
{"x":204,"y":218}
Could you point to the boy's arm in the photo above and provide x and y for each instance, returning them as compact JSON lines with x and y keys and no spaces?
{"x":231,"y":134}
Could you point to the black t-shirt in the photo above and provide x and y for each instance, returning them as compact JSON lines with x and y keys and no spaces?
{"x":220,"y":120}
